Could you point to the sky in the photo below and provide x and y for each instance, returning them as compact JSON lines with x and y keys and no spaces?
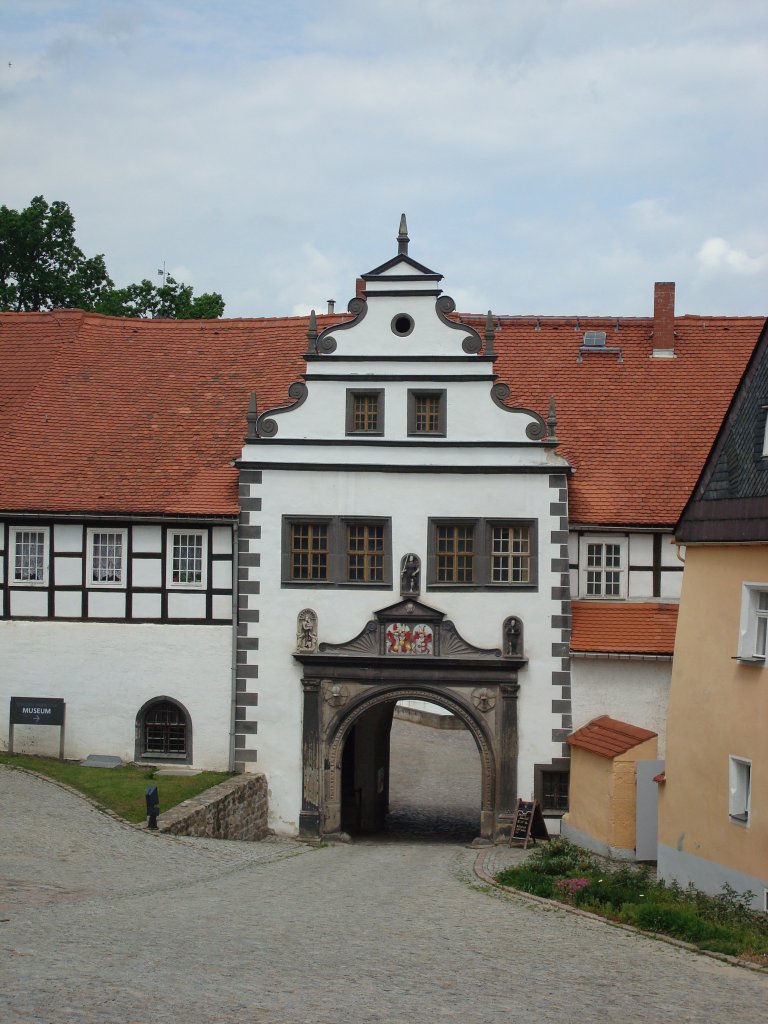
{"x":553,"y":157}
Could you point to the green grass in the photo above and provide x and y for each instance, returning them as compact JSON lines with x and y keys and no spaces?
{"x":724,"y":923}
{"x":121,"y":790}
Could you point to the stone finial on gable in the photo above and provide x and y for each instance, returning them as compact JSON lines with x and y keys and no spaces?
{"x":402,"y":237}
{"x":312,"y":332}
{"x":552,"y":421}
{"x":252,"y":416}
{"x":490,"y":333}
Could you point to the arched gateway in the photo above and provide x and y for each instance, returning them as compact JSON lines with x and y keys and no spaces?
{"x":407,"y":651}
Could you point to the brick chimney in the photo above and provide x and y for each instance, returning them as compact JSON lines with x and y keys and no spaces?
{"x":663,"y":320}
{"x":360,"y":288}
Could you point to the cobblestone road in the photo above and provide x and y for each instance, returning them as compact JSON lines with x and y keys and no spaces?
{"x":102,"y":923}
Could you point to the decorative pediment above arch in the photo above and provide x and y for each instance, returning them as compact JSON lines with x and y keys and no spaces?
{"x":415,"y":636}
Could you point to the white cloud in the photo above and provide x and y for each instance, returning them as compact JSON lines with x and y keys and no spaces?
{"x":717,"y":256}
{"x":550,"y":156}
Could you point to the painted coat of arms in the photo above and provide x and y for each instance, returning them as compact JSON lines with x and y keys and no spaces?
{"x":404,"y":638}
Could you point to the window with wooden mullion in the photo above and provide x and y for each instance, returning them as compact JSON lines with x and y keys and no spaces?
{"x":455,"y":554}
{"x":555,"y":790}
{"x":365,"y":553}
{"x":29,"y":556}
{"x":365,"y":413}
{"x":603,"y":570}
{"x":510,"y":554}
{"x":428,"y":414}
{"x":309,"y":551}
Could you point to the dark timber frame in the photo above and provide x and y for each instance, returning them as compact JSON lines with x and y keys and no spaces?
{"x":343,"y":682}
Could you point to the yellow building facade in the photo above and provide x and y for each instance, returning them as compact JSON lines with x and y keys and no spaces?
{"x":713,"y":807}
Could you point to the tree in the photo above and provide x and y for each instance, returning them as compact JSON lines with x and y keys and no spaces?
{"x":171,"y":300}
{"x":42,"y":268}
{"x":40,"y":265}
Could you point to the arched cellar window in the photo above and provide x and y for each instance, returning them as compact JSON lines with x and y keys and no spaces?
{"x":164,"y":731}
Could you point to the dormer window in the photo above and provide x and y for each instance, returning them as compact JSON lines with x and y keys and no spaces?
{"x":426,"y":412}
{"x":365,"y":412}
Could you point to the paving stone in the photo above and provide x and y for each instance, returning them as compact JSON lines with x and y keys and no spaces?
{"x":103,"y":923}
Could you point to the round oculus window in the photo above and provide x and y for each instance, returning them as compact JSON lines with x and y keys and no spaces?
{"x":402,"y":325}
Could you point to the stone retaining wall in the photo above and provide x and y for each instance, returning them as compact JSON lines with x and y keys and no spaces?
{"x":235,"y":809}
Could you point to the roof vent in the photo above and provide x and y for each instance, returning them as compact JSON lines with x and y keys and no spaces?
{"x":594,"y":339}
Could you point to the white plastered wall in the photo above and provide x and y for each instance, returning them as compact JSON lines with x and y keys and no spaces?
{"x":629,"y":690}
{"x":410,"y":500}
{"x":105,"y":672}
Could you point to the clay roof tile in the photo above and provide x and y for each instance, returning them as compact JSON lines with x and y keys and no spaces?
{"x":609,"y":737}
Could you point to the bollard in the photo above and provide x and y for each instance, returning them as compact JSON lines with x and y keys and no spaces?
{"x":153,"y":806}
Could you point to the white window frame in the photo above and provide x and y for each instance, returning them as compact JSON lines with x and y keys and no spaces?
{"x":739,"y":789}
{"x":753,"y":624}
{"x":170,"y":539}
{"x":92,"y":583}
{"x":584,"y":568}
{"x":12,"y":577}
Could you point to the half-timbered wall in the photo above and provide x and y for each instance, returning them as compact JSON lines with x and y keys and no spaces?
{"x":145,"y":591}
{"x":118,"y":618}
{"x":648,"y":566}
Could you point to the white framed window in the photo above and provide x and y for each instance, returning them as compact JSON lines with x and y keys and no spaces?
{"x":29,"y":555}
{"x":739,"y":788}
{"x":603,"y":567}
{"x":187,"y":559}
{"x":106,"y":558}
{"x":753,"y":624}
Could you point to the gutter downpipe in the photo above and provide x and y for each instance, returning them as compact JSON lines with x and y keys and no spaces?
{"x":233,"y":707}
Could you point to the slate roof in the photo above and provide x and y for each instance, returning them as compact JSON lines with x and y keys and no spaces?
{"x":113,"y":415}
{"x":628,"y":627}
{"x":608,"y":737}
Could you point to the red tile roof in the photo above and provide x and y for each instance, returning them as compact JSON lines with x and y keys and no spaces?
{"x":101,"y":414}
{"x":608,"y":737}
{"x":623,"y":628}
{"x":636,"y":431}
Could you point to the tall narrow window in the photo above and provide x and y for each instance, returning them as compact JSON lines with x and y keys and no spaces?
{"x":106,"y":558}
{"x":30,"y":555}
{"x":455,"y":554}
{"x":426,"y":412}
{"x":187,"y":567}
{"x":365,"y":553}
{"x":309,"y":551}
{"x":603,"y":573}
{"x":365,"y":412}
{"x":555,"y":790}
{"x":740,"y":788}
{"x":510,"y":554}
{"x":761,"y":623}
{"x":753,"y":627}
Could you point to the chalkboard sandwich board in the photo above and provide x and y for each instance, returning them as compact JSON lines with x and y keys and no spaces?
{"x":528,"y":824}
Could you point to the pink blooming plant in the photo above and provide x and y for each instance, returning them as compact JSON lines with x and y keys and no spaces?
{"x":571,"y":885}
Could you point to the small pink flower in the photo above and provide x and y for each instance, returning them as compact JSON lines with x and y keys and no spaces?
{"x":571,"y":885}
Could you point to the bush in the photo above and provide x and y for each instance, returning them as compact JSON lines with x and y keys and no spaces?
{"x":528,"y":880}
{"x":561,"y":857}
{"x":724,"y":923}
